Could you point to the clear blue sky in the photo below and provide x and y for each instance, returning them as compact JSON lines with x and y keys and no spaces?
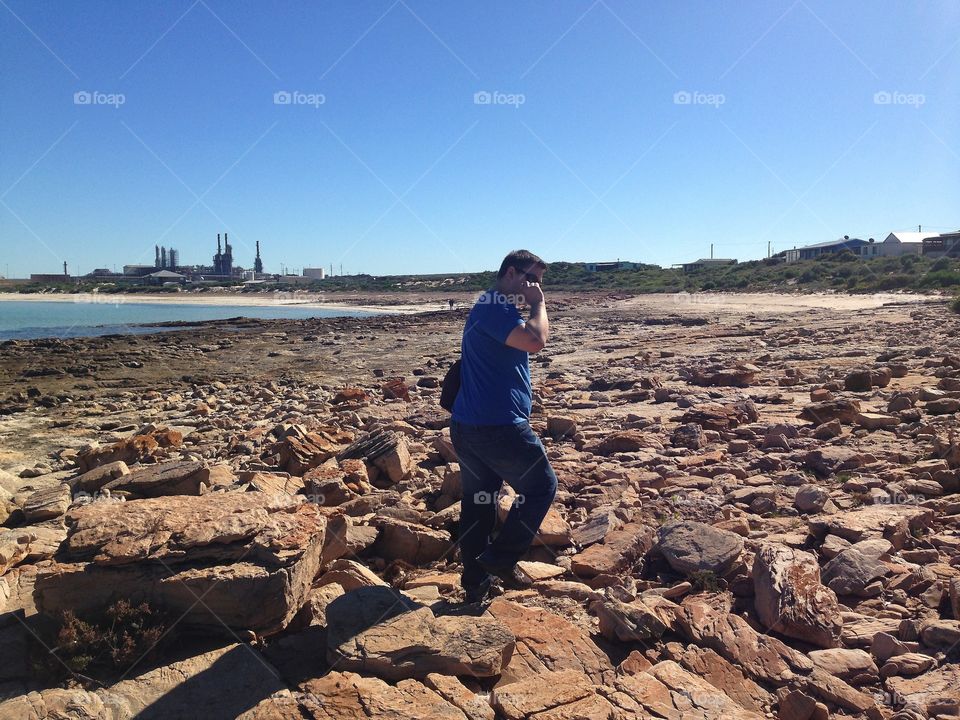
{"x":399,"y":170}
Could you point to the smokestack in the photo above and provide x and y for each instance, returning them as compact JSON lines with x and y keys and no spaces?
{"x":218,"y":242}
{"x":65,"y":273}
{"x":711,"y":251}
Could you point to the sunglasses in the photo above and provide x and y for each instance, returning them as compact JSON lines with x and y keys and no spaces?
{"x":529,"y":277}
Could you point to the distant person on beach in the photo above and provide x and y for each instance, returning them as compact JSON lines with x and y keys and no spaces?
{"x":490,"y":427}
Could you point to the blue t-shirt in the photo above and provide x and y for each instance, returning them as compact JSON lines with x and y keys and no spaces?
{"x":494,"y":377}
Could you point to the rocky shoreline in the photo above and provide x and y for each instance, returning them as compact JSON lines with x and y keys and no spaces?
{"x":758,"y":515}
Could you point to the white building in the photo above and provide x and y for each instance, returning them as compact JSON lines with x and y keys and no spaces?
{"x":904,"y":243}
{"x":314,"y":273}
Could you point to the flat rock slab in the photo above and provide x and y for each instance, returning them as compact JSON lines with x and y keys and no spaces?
{"x":851,"y":571}
{"x":348,"y":696}
{"x":172,"y":478}
{"x":869,"y":521}
{"x":93,"y":480}
{"x":692,"y":547}
{"x":762,"y":657}
{"x":221,"y":683}
{"x":47,"y":503}
{"x":564,"y":694}
{"x":619,"y":550}
{"x":378,"y":631}
{"x":667,"y":690}
{"x":934,"y":688}
{"x":412,"y":543}
{"x":250,"y":557}
{"x":548,"y":642}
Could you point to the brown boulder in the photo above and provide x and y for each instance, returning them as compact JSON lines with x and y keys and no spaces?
{"x":348,"y":696}
{"x":412,"y":543}
{"x":619,"y":550}
{"x":790,"y":598}
{"x":172,"y":478}
{"x":92,"y":480}
{"x":843,"y":410}
{"x":565,"y":694}
{"x":249,"y":557}
{"x":762,"y":657}
{"x":545,"y":642}
{"x":379,"y":631}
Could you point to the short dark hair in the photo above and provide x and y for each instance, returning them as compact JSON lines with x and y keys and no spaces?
{"x":522,"y":260}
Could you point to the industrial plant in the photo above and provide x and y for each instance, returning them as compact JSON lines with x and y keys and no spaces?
{"x":166,"y":269}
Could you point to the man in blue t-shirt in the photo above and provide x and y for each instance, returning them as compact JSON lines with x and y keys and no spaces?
{"x":490,"y":427}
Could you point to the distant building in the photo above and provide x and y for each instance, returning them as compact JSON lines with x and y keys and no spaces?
{"x":295,"y":279}
{"x":164,"y":276}
{"x":315,"y":273}
{"x":861,"y":248}
{"x":610,"y":266}
{"x":903,"y":243}
{"x":138,"y":270}
{"x":703,"y":263}
{"x":945,"y":245}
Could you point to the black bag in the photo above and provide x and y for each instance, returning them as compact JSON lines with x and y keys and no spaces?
{"x":450,"y":387}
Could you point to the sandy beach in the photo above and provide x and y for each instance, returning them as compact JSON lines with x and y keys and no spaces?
{"x":306,"y":300}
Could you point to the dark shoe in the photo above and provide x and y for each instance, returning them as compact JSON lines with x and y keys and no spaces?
{"x":477,"y":594}
{"x":511,"y":577}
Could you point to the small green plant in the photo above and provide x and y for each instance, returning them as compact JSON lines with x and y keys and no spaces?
{"x":955,"y":305}
{"x":704,"y":581}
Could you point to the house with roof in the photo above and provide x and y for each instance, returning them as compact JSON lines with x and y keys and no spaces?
{"x":858,"y":247}
{"x":944,"y":245}
{"x":162,"y":277}
{"x":707,"y":262}
{"x":904,"y":243}
{"x":610,"y":266}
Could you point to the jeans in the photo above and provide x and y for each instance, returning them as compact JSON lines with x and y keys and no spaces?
{"x":488,"y":455}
